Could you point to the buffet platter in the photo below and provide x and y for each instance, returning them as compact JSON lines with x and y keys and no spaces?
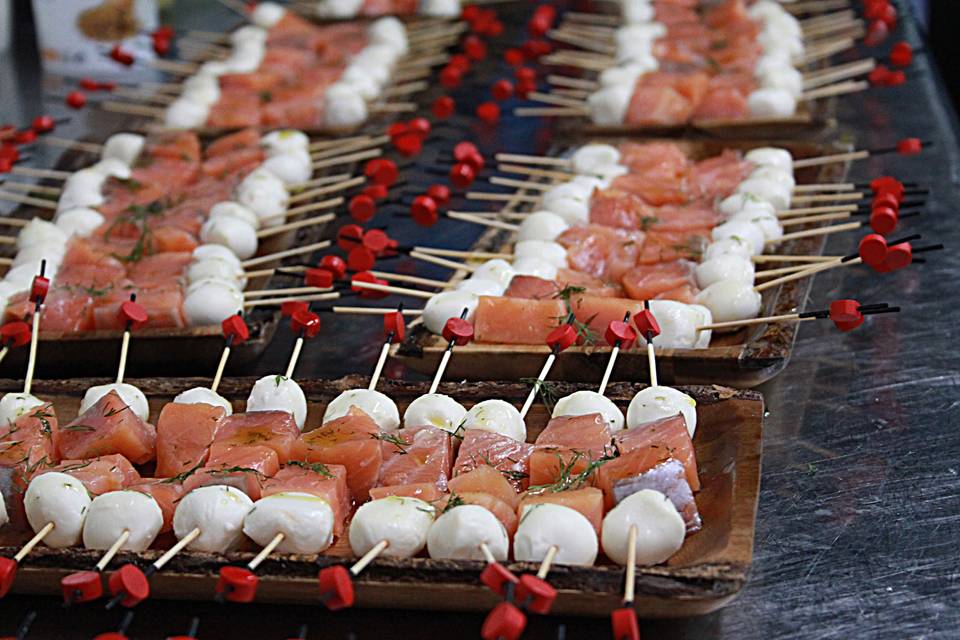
{"x":744,"y":358}
{"x":705,"y":574}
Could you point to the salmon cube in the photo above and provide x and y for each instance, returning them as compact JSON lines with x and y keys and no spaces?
{"x":352,"y":441}
{"x":588,"y":501}
{"x":486,"y":479}
{"x":588,"y":434}
{"x":274,"y":429}
{"x":509,"y":457}
{"x":426,"y":491}
{"x":417,"y":455}
{"x":243,"y":139}
{"x":245,"y":468}
{"x":645,"y":282}
{"x":167,"y":492}
{"x":326,"y":481}
{"x":517,"y":321}
{"x":101,"y":474}
{"x":109,"y":427}
{"x":31,"y":439}
{"x":184,"y":435}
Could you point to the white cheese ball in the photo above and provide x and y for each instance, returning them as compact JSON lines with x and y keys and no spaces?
{"x":535,"y":267}
{"x":125,"y":147}
{"x":785,"y":24}
{"x":343,"y":106}
{"x":81,"y":194}
{"x":15,"y":405}
{"x":767,"y":222}
{"x":765,"y":10}
{"x":184,"y":113}
{"x":129,"y":394}
{"x":569,"y":203}
{"x":4,"y":518}
{"x":729,"y":300}
{"x":440,"y":8}
{"x":247,"y":33}
{"x":338,"y":8}
{"x":230,"y":232}
{"x":742,"y":230}
{"x":770,"y":102}
{"x":203,"y":395}
{"x":581,"y":403}
{"x":435,"y":410}
{"x":637,"y":11}
{"x":113,"y":513}
{"x":786,"y":78}
{"x":660,"y":528}
{"x":360,"y":80}
{"x":377,"y":405}
{"x":728,"y":266}
{"x":623,"y":75}
{"x":458,"y":534}
{"x":265,"y":194}
{"x":497,"y":416}
{"x":480,"y":287}
{"x":402,"y":522}
{"x":541,"y":225}
{"x":245,"y":58}
{"x":592,"y":158}
{"x":266,"y":15}
{"x":775,"y":40}
{"x":231,"y":209}
{"x":388,"y":31}
{"x":546,"y":525}
{"x":736,"y":201}
{"x":446,"y":305}
{"x":552,"y":252}
{"x":202,"y":88}
{"x":112,"y":168}
{"x":51,"y":255}
{"x":678,"y":325}
{"x":497,"y":270}
{"x":61,"y":499}
{"x":278,"y":393}
{"x":209,"y":301}
{"x":217,"y":252}
{"x":292,"y":168}
{"x":216,"y":269}
{"x":21,"y":278}
{"x":285,"y":141}
{"x":657,"y":403}
{"x":703,"y":318}
{"x":774,"y":174}
{"x":771,"y":157}
{"x":218,"y":511}
{"x":79,"y":221}
{"x":732,"y":246}
{"x":608,"y":106}
{"x":776,"y":193}
{"x":214,"y":68}
{"x":305,"y":520}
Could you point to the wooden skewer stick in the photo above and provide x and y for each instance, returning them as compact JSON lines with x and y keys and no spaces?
{"x":849,"y":156}
{"x":113,"y":550}
{"x":611,"y":362}
{"x":556,"y":176}
{"x":466,"y":255}
{"x":31,"y":188}
{"x":347,"y":159}
{"x":289,"y":291}
{"x":181,"y":544}
{"x":825,"y":186}
{"x":537,"y":112}
{"x":544,"y":372}
{"x":317,"y":182}
{"x":547,"y":562}
{"x":848,"y":71}
{"x":369,"y":557}
{"x":266,"y":551}
{"x":445,"y":359}
{"x":333,"y":188}
{"x":299,"y":224}
{"x":826,"y":217}
{"x":467,"y":217}
{"x":520,"y":184}
{"x":573,"y":83}
{"x":273,"y":302}
{"x":400,"y":291}
{"x":34,"y":172}
{"x":789,"y":317}
{"x":373,"y":311}
{"x":319,"y":145}
{"x":827,"y":49}
{"x":450,"y":264}
{"x":393,"y":107}
{"x":825,"y":266}
{"x":22,"y":199}
{"x":630,"y":580}
{"x":280,"y":255}
{"x":33,"y":542}
{"x":765,"y":258}
{"x":64,"y":143}
{"x":805,"y":211}
{"x":527,"y":159}
{"x":140,"y":96}
{"x":549,"y":98}
{"x":842,"y":88}
{"x":770,"y":273}
{"x":132,"y":109}
{"x":365,"y":142}
{"x":402,"y":277}
{"x":34,"y":338}
{"x":486,"y":196}
{"x":822,"y":231}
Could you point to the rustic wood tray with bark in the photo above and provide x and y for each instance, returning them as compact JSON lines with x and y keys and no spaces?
{"x":704,"y":575}
{"x":744,"y":358}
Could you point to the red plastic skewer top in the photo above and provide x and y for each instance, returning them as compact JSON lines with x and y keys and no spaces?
{"x":82,"y":586}
{"x":382,"y":171}
{"x":237,"y":584}
{"x":458,"y":330}
{"x":846,"y":314}
{"x":423,"y":210}
{"x":395,"y":327}
{"x":335,"y":265}
{"x":235,"y":329}
{"x":496,"y":577}
{"x":8,"y":572}
{"x":909,"y":146}
{"x":365,"y":276}
{"x":362,"y":207}
{"x":316,"y":277}
{"x":901,"y":55}
{"x":377,"y":241}
{"x":887,"y":184}
{"x":349,"y":236}
{"x":462,"y":175}
{"x":76,"y":100}
{"x":336,"y":587}
{"x":535,"y":594}
{"x":305,"y":323}
{"x":646,"y":324}
{"x":622,"y":332}
{"x":43,"y":124}
{"x":39,"y":289}
{"x":624,"y":623}
{"x":505,"y":621}
{"x":562,"y":338}
{"x":130,"y":581}
{"x":133,"y":314}
{"x":15,"y":334}
{"x":361,"y":259}
{"x":872,"y":249}
{"x":287,"y":309}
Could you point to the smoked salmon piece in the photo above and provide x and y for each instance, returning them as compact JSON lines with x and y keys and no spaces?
{"x":718,"y":176}
{"x":177,"y":145}
{"x":661,"y":160}
{"x":588,"y":501}
{"x":621,"y":208}
{"x":500,"y":509}
{"x":159,"y":269}
{"x":221,"y":165}
{"x":326,"y":481}
{"x":243,"y":139}
{"x":486,"y":479}
{"x":106,"y":428}
{"x":569,"y":450}
{"x":166,"y":491}
{"x":588,"y":434}
{"x":274,"y":429}
{"x":648,"y":191}
{"x":669,"y":479}
{"x":352,"y":441}
{"x":184,"y":435}
{"x":32,"y":439}
{"x":509,"y":457}
{"x":722,"y":103}
{"x":426,"y":491}
{"x":100,"y":474}
{"x":597,"y":313}
{"x":416,"y":455}
{"x":245,"y":468}
{"x":602,"y":252}
{"x":686,"y":293}
{"x":645,"y":282}
{"x":516,"y":321}
{"x":683,"y":218}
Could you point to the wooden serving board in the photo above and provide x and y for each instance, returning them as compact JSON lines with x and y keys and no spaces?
{"x":744,"y":358}
{"x":704,"y":575}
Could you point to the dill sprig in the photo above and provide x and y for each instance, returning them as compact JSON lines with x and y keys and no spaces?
{"x":546,"y":389}
{"x":393,"y":439}
{"x":453,"y":502}
{"x":567,"y":479}
{"x":180,"y":477}
{"x":316,"y":467}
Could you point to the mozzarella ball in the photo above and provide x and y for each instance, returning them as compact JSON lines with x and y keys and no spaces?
{"x":541,"y":225}
{"x":552,"y":252}
{"x":660,"y":528}
{"x":767,"y":222}
{"x":20,"y":278}
{"x":216,"y":252}
{"x":786,"y":78}
{"x":218,"y":511}
{"x":61,"y":499}
{"x":390,"y":32}
{"x":737,"y":201}
{"x":234,"y":234}
{"x":570,"y":201}
{"x":446,"y":305}
{"x":729,"y":300}
{"x":774,"y":39}
{"x":591,"y":158}
{"x":343,"y":107}
{"x":657,"y":403}
{"x":13,"y":405}
{"x":729,"y":246}
{"x":202,"y":89}
{"x":378,"y":406}
{"x":266,"y":15}
{"x":703,"y":317}
{"x":245,"y":58}
{"x":125,"y":147}
{"x":214,"y":68}
{"x":113,"y":513}
{"x":458,"y":533}
{"x":624,"y":75}
{"x":440,"y":8}
{"x":435,"y":410}
{"x":402,"y":522}
{"x":265,"y":194}
{"x":278,"y":393}
{"x":81,"y":194}
{"x":129,"y":394}
{"x":4,"y":518}
{"x":724,"y":267}
{"x":608,"y":106}
{"x":535,"y":267}
{"x":770,"y":61}
{"x":775,"y":175}
{"x":338,"y":8}
{"x":775,"y":192}
{"x":764,"y":10}
{"x":285,"y":141}
{"x":547,"y":525}
{"x":305,"y":520}
{"x":209,"y":301}
{"x":79,"y":221}
{"x":771,"y":157}
{"x":203,"y":395}
{"x":231,"y":209}
{"x":480,"y":287}
{"x":678,"y":325}
{"x":770,"y":102}
{"x":359,"y":79}
{"x":745,"y":231}
{"x":49,"y":255}
{"x":581,"y":403}
{"x":215,"y":269}
{"x":497,"y":416}
{"x":292,"y":168}
{"x":637,"y":11}
{"x":249,"y":33}
{"x":184,"y":113}
{"x":112,"y":168}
